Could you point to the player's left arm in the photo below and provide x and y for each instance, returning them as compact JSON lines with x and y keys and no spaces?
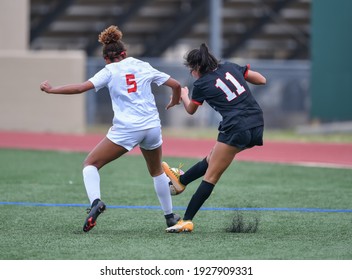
{"x":255,"y":78}
{"x":66,"y":89}
{"x":190,"y":106}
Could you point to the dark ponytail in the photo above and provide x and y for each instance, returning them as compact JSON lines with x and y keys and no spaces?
{"x":202,"y":60}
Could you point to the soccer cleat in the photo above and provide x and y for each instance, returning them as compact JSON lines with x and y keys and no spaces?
{"x":173,"y":220}
{"x":181,"y":226}
{"x":97,"y":208}
{"x":174,"y":176}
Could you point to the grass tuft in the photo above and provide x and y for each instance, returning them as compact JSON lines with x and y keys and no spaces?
{"x":243,"y":224}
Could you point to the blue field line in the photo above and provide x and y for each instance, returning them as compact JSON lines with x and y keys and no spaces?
{"x":150,"y":207}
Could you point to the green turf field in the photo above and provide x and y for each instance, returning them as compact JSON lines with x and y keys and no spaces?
{"x":295,"y":207}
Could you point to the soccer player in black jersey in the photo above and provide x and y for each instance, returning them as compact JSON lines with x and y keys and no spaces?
{"x":224,"y":87}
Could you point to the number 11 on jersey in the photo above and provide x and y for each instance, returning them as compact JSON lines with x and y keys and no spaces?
{"x":230,"y":95}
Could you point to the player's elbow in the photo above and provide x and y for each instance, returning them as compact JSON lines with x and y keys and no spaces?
{"x":191,"y":109}
{"x":174,"y":84}
{"x":262,"y":81}
{"x":177,"y":86}
{"x":83,"y":87}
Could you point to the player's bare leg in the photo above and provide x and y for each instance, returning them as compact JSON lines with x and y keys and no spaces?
{"x":105,"y":152}
{"x":219,"y":160}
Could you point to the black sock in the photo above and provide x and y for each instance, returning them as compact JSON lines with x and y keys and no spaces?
{"x":95,"y":202}
{"x":168,"y":216}
{"x":200,"y":196}
{"x":195,"y":172}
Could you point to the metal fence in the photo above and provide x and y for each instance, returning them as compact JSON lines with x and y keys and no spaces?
{"x":285,"y":99}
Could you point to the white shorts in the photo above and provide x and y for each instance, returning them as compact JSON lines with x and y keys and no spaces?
{"x":148,"y":139}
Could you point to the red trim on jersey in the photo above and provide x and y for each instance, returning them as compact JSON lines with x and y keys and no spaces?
{"x":196,"y":102}
{"x":245,"y":75}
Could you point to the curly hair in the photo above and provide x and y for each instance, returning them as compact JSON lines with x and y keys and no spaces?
{"x":201,"y":59}
{"x":113,"y":47}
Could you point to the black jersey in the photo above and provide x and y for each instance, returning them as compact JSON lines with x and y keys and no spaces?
{"x":227,"y":92}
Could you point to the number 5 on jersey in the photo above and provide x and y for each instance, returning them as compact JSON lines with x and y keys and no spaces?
{"x":230,"y":95}
{"x":131,"y":83}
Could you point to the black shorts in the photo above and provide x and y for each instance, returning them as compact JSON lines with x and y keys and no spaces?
{"x":245,"y":139}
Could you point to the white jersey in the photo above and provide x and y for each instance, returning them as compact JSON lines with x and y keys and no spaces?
{"x":129,"y":83}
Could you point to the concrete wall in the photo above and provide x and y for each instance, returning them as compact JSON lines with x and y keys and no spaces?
{"x":23,"y":107}
{"x":14,"y":24}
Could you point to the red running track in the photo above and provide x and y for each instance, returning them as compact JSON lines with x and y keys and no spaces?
{"x":309,"y":154}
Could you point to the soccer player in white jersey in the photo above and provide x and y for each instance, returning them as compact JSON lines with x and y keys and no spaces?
{"x":136,"y":120}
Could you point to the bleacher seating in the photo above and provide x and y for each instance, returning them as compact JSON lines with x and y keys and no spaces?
{"x":263,"y":29}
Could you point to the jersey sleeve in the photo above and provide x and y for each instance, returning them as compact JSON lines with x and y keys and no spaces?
{"x":245,"y":74}
{"x":197,"y":96}
{"x":158,"y":77}
{"x":101,"y":79}
{"x":243,"y":69}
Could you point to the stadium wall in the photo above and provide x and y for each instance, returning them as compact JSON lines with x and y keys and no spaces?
{"x":23,"y":107}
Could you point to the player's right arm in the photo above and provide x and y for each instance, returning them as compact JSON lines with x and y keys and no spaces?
{"x":66,"y":89}
{"x":176,"y":92}
{"x":190,"y":106}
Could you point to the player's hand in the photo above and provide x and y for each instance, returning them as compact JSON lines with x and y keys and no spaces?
{"x":184,"y":92}
{"x":171,"y":104}
{"x":45,"y":86}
